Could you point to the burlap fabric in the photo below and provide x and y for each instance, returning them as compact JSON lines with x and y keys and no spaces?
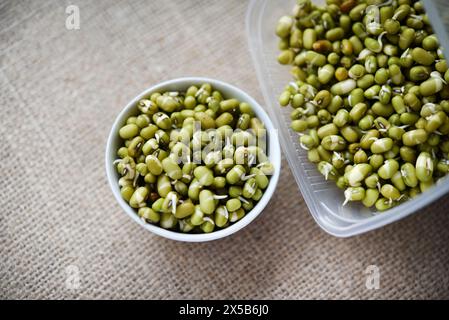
{"x":62,"y":235}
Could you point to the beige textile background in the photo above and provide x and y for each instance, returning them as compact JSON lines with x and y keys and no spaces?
{"x":60,"y":91}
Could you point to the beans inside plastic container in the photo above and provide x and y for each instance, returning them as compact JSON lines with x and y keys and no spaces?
{"x":336,"y":209}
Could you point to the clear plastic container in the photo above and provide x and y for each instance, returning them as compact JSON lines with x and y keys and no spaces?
{"x":438,"y":12}
{"x":323,"y":198}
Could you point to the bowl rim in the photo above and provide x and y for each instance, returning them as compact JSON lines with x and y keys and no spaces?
{"x":183,"y":82}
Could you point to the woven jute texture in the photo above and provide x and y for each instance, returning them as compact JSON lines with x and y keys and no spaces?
{"x":62,"y":235}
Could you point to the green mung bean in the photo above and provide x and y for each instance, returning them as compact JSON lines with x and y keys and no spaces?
{"x":156,"y":155}
{"x":377,"y":100}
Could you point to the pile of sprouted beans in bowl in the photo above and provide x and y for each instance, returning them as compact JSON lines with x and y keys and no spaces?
{"x":370,"y":96}
{"x":193,"y":161}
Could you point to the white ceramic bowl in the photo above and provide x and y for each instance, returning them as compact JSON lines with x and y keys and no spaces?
{"x":181,"y":84}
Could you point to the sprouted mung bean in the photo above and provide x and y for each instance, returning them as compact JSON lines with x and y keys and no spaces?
{"x":193,"y":161}
{"x":370,"y":98}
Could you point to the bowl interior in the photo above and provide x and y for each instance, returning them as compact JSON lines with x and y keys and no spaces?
{"x":181,"y":84}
